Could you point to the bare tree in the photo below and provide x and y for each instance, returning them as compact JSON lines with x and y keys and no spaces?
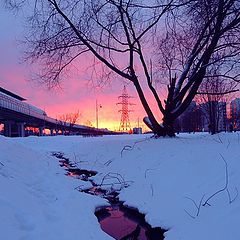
{"x":120,"y":34}
{"x":235,"y":115}
{"x":190,"y":120}
{"x":213,"y":96}
{"x":88,"y":123}
{"x":209,"y":41}
{"x":67,"y":121}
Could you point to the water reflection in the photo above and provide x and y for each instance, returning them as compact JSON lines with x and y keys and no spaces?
{"x":117,"y":220}
{"x":123,"y":223}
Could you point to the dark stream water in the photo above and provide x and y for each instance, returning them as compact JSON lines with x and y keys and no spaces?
{"x":117,"y":220}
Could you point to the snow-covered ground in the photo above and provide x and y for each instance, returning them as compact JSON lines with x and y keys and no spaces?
{"x":170,"y":181}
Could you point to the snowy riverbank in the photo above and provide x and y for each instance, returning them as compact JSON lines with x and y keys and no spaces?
{"x":169,"y":179}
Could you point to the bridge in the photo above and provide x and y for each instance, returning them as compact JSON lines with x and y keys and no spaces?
{"x":19,"y":116}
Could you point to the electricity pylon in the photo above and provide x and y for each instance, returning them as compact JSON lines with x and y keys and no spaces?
{"x":125,"y":122}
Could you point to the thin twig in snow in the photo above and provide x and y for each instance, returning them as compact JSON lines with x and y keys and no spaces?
{"x":228,"y":144}
{"x":216,"y":140}
{"x":75,"y":158}
{"x":195,"y":204}
{"x":229,"y":196}
{"x":129,"y":147}
{"x":151,"y":186}
{"x":198,"y":206}
{"x":115,"y":183}
{"x":126,"y":147}
{"x":222,"y":189}
{"x":114,"y":176}
{"x":147,"y":170}
{"x":189,"y":214}
{"x":107,"y":163}
{"x":220,"y":139}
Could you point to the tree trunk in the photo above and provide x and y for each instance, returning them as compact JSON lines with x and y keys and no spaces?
{"x":168,"y":125}
{"x":165,"y":129}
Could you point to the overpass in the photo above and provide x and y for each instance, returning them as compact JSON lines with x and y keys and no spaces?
{"x":17,"y":116}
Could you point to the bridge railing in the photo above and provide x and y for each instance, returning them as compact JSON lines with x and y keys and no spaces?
{"x":19,"y":106}
{"x":16,"y":105}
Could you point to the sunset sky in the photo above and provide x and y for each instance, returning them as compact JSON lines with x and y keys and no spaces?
{"x":76,"y":93}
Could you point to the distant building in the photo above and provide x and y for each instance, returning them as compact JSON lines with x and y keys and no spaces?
{"x":235,"y":113}
{"x":137,"y":130}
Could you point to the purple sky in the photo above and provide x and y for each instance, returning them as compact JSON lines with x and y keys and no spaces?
{"x":75,"y":93}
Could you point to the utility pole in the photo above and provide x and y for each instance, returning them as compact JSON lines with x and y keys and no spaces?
{"x":97,"y":106}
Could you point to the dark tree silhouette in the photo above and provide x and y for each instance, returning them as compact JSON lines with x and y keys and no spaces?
{"x":235,"y":115}
{"x":212,"y":97}
{"x":123,"y":36}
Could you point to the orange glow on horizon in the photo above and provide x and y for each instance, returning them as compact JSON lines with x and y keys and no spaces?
{"x":75,"y":94}
{"x":114,"y":125}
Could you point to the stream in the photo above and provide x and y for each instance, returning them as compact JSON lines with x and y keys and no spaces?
{"x":117,"y":220}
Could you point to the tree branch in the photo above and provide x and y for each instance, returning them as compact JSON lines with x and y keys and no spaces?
{"x":218,"y":93}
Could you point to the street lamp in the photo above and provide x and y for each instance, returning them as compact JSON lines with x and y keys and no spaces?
{"x":97,"y":106}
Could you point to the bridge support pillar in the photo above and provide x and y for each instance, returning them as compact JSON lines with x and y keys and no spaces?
{"x":21,"y":129}
{"x":8,"y":128}
{"x":51,"y":132}
{"x":41,"y":131}
{"x":13,"y":129}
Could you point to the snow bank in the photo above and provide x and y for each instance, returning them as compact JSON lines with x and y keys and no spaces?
{"x":170,"y":180}
{"x":38,"y":201}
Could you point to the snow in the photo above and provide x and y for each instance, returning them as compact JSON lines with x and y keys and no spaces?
{"x":169,"y":180}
